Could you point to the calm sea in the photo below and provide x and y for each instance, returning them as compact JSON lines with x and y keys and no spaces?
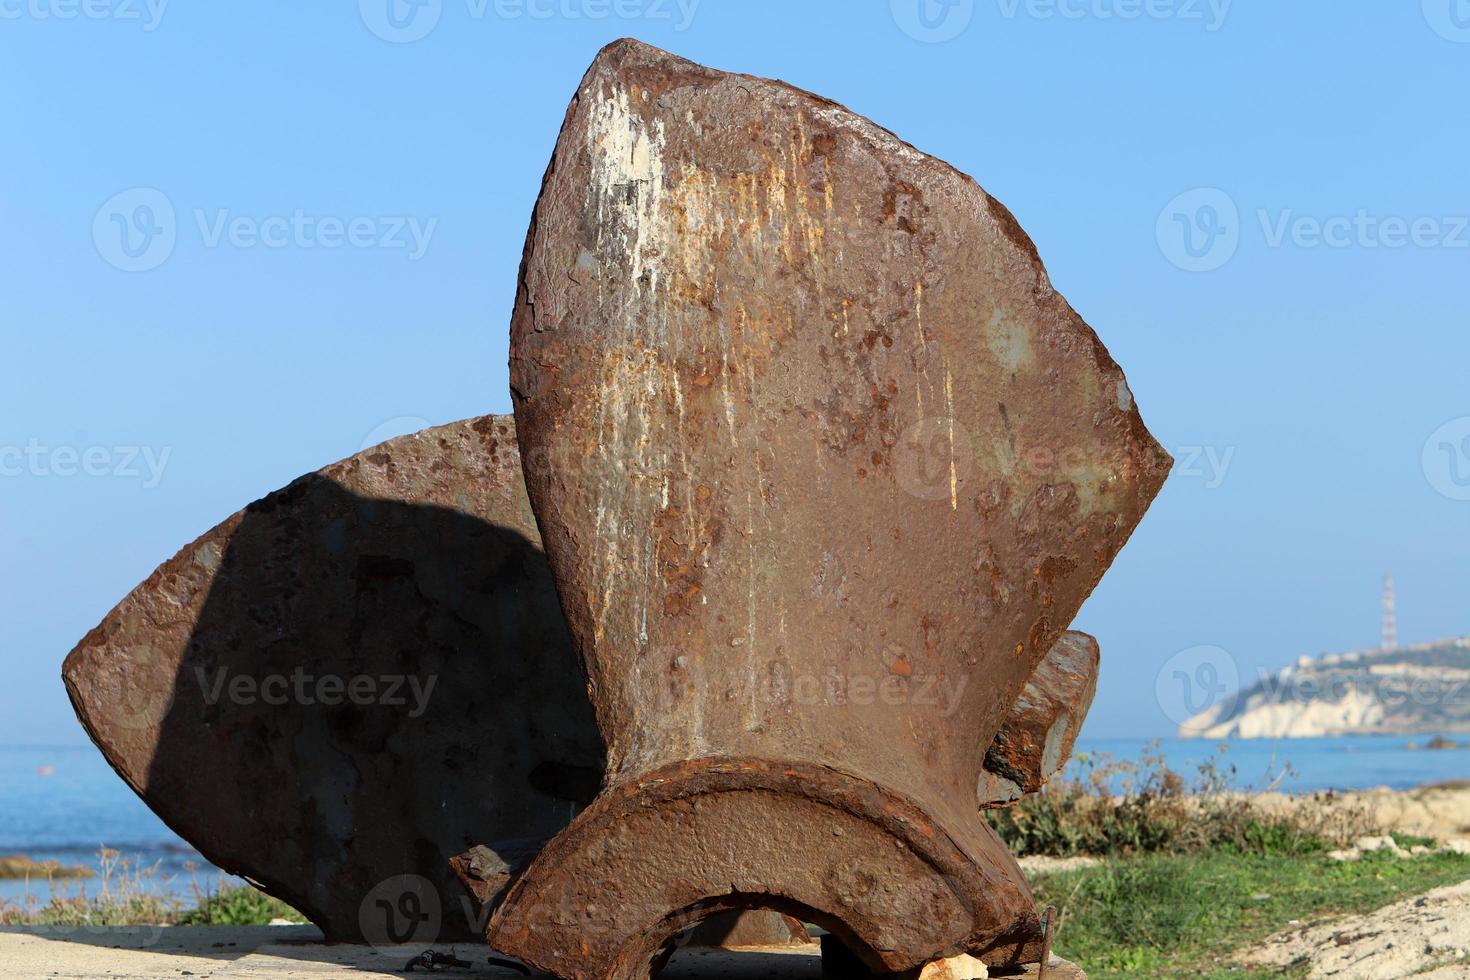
{"x":66,"y":803}
{"x":1305,"y":765}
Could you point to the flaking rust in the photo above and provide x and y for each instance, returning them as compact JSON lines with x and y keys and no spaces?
{"x":812,"y":433}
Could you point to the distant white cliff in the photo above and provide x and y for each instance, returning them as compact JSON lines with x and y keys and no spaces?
{"x":1404,"y":691}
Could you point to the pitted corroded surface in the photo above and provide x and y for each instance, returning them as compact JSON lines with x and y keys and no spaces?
{"x":1038,"y":735}
{"x":824,"y":463}
{"x":439,"y":702}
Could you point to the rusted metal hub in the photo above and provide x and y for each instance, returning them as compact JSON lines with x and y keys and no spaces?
{"x":654,"y":856}
{"x":823,"y":467}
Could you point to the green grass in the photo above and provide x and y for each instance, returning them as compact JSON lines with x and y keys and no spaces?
{"x":1165,"y":915}
{"x":1407,"y":841}
{"x":238,"y":906}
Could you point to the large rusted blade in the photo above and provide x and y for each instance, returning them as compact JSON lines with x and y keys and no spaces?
{"x":824,"y":466}
{"x":1037,"y":738}
{"x":352,"y":680}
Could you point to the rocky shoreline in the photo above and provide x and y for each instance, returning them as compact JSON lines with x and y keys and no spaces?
{"x":19,"y":867}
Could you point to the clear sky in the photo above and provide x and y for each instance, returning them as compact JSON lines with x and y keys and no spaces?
{"x":1260,"y":207}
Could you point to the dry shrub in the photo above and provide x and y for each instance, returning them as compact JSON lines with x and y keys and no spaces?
{"x":1101,"y":806}
{"x":126,"y":894}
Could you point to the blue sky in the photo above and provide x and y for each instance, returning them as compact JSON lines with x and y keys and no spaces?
{"x":1259,"y":206}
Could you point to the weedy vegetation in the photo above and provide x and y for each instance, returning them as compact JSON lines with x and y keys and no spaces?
{"x":127,"y":893}
{"x":1196,"y":871}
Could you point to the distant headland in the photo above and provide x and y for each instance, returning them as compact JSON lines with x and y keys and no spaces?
{"x":1412,"y":690}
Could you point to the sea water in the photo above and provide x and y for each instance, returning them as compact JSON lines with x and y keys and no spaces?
{"x":65,"y":804}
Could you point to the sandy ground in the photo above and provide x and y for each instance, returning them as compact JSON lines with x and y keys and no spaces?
{"x":1441,"y":812}
{"x":275,"y":952}
{"x":1041,"y":864}
{"x":1426,"y":937}
{"x":225,"y":953}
